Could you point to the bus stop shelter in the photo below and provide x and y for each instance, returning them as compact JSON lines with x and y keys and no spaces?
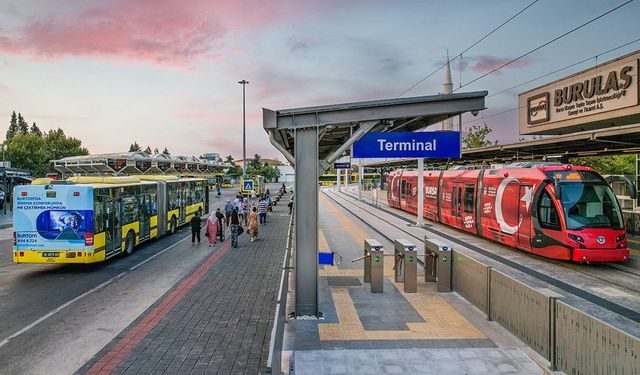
{"x":312,"y":138}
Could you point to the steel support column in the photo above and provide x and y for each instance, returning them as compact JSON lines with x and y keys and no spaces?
{"x":419,"y":215}
{"x":338,"y":179}
{"x":306,"y":221}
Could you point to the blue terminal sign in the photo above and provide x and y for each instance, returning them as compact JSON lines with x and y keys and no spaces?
{"x":408,"y":145}
{"x":343,"y":165}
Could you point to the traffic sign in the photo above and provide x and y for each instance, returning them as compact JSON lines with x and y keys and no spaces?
{"x":247,"y":185}
{"x":408,"y":145}
{"x":345,"y":165}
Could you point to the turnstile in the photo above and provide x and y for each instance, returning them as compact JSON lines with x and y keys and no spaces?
{"x":374,"y":265}
{"x":406,"y":264}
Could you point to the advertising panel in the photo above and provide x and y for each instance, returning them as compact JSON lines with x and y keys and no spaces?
{"x":52,"y":218}
{"x":599,"y":97}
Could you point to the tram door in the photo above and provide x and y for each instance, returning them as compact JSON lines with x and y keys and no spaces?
{"x":524,"y":216}
{"x":456,"y":203}
{"x":112,"y":229}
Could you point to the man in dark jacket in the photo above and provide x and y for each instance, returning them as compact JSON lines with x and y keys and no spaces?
{"x":196,"y":225}
{"x":220,"y":217}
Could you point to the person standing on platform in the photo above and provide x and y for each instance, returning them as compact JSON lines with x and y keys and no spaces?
{"x":196,"y":225}
{"x":291,"y":204}
{"x":234,"y":224}
{"x":213,"y":227}
{"x":2,"y":198}
{"x":253,"y":227}
{"x":262,"y":211}
{"x":220,"y":218}
{"x":218,"y":189}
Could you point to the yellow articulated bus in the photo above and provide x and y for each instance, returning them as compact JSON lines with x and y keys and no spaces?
{"x":91,"y":219}
{"x":329,"y":179}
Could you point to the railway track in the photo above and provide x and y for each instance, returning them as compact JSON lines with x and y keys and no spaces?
{"x":562,"y":285}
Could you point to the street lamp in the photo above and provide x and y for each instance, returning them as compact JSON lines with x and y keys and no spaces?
{"x":244,"y":130}
{"x":4,"y":180}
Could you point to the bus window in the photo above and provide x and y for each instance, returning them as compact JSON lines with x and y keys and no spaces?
{"x":98,"y":213}
{"x":172,"y":190}
{"x":468,"y":198}
{"x":154,"y":204}
{"x":129,"y":209}
{"x":548,"y":214}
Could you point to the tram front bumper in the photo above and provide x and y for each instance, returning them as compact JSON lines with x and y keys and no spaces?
{"x":600,"y":255}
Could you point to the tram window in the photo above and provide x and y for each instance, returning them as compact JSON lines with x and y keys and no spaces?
{"x":468,"y":198}
{"x":404,"y":188}
{"x":548,"y":214}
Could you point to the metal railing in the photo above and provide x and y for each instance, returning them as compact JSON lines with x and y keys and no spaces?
{"x":274,"y":360}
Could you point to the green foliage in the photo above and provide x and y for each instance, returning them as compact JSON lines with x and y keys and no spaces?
{"x":134,"y":147}
{"x":34,"y":152}
{"x":13,"y":126}
{"x":148,"y":150}
{"x":35,"y":130}
{"x":156,"y":151}
{"x":23,"y":127}
{"x":229,"y":159}
{"x":606,"y":165}
{"x":165,"y":152}
{"x":477,"y":137}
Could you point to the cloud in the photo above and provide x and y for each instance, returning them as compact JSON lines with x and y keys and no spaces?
{"x":484,"y":64}
{"x":164,"y":32}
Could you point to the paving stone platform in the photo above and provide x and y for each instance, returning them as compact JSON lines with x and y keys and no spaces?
{"x":216,"y":321}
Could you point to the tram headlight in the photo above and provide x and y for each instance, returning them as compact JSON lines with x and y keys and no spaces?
{"x":576,"y":238}
{"x":620,"y":238}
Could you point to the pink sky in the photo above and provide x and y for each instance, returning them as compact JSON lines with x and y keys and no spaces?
{"x":164,"y":73}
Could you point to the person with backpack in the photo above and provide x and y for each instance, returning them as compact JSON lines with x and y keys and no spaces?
{"x":196,"y":225}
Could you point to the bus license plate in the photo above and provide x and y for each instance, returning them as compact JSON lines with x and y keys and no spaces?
{"x":50,"y":255}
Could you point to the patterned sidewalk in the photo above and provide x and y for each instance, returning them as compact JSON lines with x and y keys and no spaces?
{"x":218,"y":320}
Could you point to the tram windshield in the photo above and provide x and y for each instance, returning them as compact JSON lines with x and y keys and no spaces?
{"x":590,"y":205}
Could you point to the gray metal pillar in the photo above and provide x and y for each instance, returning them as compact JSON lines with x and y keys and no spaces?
{"x":306,"y":221}
{"x":360,"y":179}
{"x":419,"y":215}
{"x":338,"y":178}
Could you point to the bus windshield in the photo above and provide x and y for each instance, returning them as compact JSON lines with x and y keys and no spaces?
{"x":590,"y":205}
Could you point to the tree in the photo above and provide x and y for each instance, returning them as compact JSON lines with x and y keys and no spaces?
{"x":13,"y":126}
{"x":477,"y":137}
{"x":36,"y":130}
{"x":34,"y":152}
{"x":134,"y":147}
{"x":229,"y":159}
{"x":148,"y":150}
{"x":254,"y":166}
{"x":155,"y":151}
{"x":23,"y":127}
{"x":614,"y":164}
{"x":165,"y":152}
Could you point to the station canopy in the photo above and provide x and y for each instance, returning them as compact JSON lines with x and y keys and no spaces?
{"x":342,"y":124}
{"x":131,"y":163}
{"x":611,"y":141}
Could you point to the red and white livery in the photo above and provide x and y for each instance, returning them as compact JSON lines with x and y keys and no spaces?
{"x":554,"y":210}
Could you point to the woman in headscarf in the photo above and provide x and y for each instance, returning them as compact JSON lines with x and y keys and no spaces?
{"x":213,"y":226}
{"x":234,"y":223}
{"x":253,"y":224}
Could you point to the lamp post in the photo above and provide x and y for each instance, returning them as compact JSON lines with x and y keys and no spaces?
{"x":4,"y":180}
{"x":244,"y":130}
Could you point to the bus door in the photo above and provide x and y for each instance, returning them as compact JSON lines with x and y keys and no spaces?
{"x":144,"y":206}
{"x":524,"y":216}
{"x":113,"y":229}
{"x":182,"y":207}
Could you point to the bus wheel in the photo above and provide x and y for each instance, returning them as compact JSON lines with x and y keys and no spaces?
{"x":173,"y":226}
{"x":128,"y":244}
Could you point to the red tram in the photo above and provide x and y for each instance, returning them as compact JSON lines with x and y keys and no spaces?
{"x":553,"y":210}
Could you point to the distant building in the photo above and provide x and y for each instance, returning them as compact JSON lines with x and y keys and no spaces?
{"x":287,"y":174}
{"x":271,"y":162}
{"x":212,"y":156}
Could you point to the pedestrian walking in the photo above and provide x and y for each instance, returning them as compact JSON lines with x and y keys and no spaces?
{"x":262,"y":211}
{"x":290,"y":204}
{"x":253,"y":227}
{"x":227,"y":210}
{"x":283,"y":189}
{"x":3,"y":196}
{"x":196,"y":225}
{"x":269,"y":204}
{"x":218,"y":189}
{"x":233,"y":226}
{"x":213,"y":228}
{"x":220,"y":218}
